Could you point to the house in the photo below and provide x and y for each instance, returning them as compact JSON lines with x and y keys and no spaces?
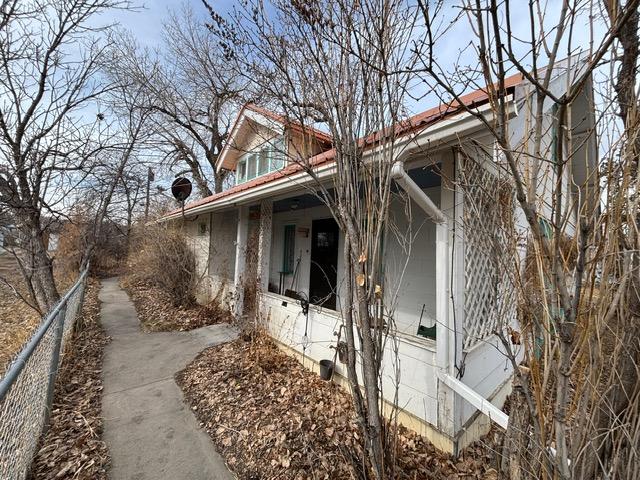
{"x":268,"y":242}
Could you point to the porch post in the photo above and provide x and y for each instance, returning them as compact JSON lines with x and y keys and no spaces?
{"x":264,"y":244}
{"x":457,"y":284}
{"x":443,"y":328}
{"x":446,"y":329}
{"x":241,"y":249}
{"x":457,"y":253}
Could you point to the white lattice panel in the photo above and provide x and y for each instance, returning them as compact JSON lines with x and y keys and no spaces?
{"x":483,"y":242}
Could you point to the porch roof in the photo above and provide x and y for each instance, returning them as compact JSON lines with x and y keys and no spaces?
{"x":411,"y":125}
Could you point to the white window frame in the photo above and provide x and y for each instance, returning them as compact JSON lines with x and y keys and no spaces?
{"x":267,"y":151}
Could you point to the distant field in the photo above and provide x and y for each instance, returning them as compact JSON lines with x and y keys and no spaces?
{"x":17,"y":321}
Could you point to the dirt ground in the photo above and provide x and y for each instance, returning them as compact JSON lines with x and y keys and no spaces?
{"x":157,"y":314}
{"x":72,"y":447}
{"x":272,"y":418}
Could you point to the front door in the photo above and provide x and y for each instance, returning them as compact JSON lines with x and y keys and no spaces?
{"x":324,"y":263}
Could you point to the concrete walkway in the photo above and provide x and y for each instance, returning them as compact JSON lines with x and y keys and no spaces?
{"x":151,"y":433}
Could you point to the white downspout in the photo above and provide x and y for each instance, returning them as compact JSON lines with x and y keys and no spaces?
{"x":403,"y":179}
{"x":443,"y":328}
{"x":241,"y":245}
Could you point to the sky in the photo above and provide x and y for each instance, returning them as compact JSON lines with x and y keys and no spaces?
{"x":146,"y":19}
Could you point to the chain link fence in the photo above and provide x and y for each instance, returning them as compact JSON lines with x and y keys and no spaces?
{"x":26,"y":390}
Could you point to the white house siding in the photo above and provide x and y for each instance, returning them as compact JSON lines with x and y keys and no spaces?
{"x":417,"y":393}
{"x":302,"y":147}
{"x":197,"y":231}
{"x":413,"y":281}
{"x":410,"y":264}
{"x":255,"y":136}
{"x":581,"y":151}
{"x":486,"y":369}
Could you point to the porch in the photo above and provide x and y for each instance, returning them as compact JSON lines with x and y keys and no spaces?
{"x":288,"y":271}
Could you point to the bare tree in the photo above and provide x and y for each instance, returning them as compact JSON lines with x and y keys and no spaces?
{"x":50,"y":58}
{"x":134,"y":189}
{"x":339,"y":64}
{"x":192,"y":92}
{"x":113,"y":180}
{"x":577,"y":389}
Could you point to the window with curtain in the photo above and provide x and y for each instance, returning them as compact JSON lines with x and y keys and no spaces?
{"x":241,"y":171}
{"x":263,"y":161}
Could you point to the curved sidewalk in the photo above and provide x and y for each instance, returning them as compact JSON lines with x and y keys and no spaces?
{"x":150,"y":432}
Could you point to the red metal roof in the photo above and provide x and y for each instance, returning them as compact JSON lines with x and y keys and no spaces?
{"x":412,"y":124}
{"x":320,"y":135}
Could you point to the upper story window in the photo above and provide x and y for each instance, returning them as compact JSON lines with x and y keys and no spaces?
{"x":267,"y":158}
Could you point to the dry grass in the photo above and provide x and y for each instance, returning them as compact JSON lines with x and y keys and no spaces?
{"x":17,"y":320}
{"x":161,"y":280}
{"x":161,"y":256}
{"x":108,"y":257}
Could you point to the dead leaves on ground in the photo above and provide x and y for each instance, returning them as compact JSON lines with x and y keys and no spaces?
{"x":272,"y":418}
{"x":157,"y":314}
{"x":72,"y":447}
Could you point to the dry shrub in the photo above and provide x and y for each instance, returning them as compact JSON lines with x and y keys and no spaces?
{"x":213,"y":313}
{"x":109,"y":253}
{"x":111,"y":250}
{"x":68,"y":255}
{"x":160,"y":256}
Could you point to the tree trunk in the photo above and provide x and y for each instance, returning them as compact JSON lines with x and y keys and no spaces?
{"x":41,"y":265}
{"x":349,"y":332}
{"x":516,"y":441}
{"x":218,"y":180}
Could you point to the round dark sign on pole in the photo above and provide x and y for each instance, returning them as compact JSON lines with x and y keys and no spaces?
{"x":181,"y":188}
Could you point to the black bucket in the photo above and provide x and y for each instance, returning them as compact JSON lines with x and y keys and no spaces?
{"x":326,"y":369}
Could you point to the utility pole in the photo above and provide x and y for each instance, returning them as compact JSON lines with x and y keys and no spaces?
{"x":150,"y":178}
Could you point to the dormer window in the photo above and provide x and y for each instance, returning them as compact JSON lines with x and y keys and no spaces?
{"x":267,"y":158}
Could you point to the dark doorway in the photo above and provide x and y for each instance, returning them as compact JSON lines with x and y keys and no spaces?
{"x":324,"y":263}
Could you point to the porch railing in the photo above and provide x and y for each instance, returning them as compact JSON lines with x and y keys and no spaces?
{"x":26,"y":389}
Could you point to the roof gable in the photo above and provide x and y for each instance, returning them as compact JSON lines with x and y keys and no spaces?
{"x":250,"y":130}
{"x":253,"y":127}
